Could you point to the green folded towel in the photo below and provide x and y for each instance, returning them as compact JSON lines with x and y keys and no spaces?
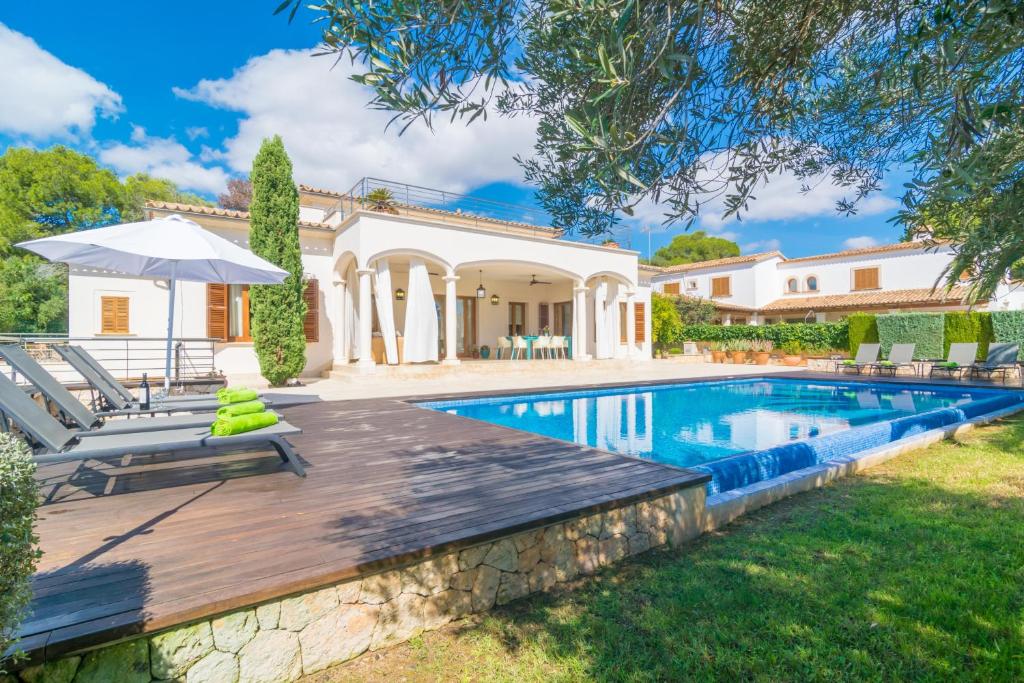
{"x":886,"y":362}
{"x":243,"y":408}
{"x":238,"y":424}
{"x":949,"y":364}
{"x":228,"y":395}
{"x":849,"y":361}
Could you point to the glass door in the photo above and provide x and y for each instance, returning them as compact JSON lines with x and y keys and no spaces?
{"x":465,"y":325}
{"x":516,"y":318}
{"x":563,"y":319}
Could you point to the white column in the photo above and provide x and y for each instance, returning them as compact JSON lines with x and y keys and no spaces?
{"x":580,"y":325}
{"x":600,"y":324}
{"x":339,"y":325}
{"x":365,"y":318}
{"x":630,"y":324}
{"x":727,"y":319}
{"x":451,"y":346}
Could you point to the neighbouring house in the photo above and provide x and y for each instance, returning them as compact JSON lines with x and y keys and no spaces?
{"x":768,"y":288}
{"x":397,"y":283}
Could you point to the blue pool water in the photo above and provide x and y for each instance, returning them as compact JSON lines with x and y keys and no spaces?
{"x":696,"y":424}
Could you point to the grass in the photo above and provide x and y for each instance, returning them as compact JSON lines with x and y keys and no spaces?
{"x":914,"y":571}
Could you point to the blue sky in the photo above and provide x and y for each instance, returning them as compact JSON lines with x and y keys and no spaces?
{"x":189,"y":95}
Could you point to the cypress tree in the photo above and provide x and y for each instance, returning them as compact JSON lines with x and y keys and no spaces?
{"x":277,"y":311}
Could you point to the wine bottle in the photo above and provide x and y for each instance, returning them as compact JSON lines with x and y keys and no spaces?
{"x":144,"y":393}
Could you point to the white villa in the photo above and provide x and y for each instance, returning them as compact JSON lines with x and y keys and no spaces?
{"x":768,"y":288}
{"x":405,"y":285}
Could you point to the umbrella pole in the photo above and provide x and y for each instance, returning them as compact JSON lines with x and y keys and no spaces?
{"x":170,"y":330}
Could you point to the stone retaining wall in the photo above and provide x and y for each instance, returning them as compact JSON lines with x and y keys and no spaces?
{"x":299,"y":635}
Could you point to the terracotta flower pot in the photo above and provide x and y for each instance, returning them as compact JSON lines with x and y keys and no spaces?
{"x":718,"y":356}
{"x":792,"y":361}
{"x":739,"y":357}
{"x":762,"y":357}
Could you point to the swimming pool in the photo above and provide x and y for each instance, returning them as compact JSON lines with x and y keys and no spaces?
{"x":739,"y":431}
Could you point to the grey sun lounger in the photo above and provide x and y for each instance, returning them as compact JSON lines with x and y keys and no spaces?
{"x":867,"y":355}
{"x":73,"y":411}
{"x":1001,"y":358}
{"x":900,"y":356}
{"x":53,"y":442}
{"x":961,"y":353}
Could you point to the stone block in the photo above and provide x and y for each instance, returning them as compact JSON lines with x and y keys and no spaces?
{"x":268,"y":615}
{"x":301,"y":610}
{"x":338,"y":636}
{"x":559,"y":552}
{"x":270,"y":657}
{"x":485,"y":587}
{"x":587,"y":555}
{"x":57,"y":671}
{"x":349,"y":591}
{"x":463,"y":581}
{"x":471,"y":558}
{"x":233,"y":631}
{"x":173,"y":652}
{"x":619,"y":522}
{"x":429,"y":577}
{"x":216,"y":667}
{"x":639,"y":543}
{"x":398,"y":620}
{"x":126,"y":662}
{"x":381,"y":588}
{"x":612,"y":550}
{"x":528,"y":559}
{"x":686,"y":510}
{"x":503,"y":556}
{"x":446,"y":606}
{"x":512,"y":587}
{"x":542,"y":577}
{"x":527,"y":539}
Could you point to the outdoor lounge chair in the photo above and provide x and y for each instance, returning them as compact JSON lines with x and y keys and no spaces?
{"x":867,"y":356}
{"x":960,"y":358}
{"x":74,"y":412}
{"x":53,"y":442}
{"x":900,"y":356}
{"x":1001,"y":358}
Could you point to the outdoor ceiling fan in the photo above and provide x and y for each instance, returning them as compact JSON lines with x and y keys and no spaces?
{"x":535,"y":281}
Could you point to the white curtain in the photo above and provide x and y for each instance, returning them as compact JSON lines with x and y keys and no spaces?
{"x":386,"y":311}
{"x":351,"y":315}
{"x":420,"y":316}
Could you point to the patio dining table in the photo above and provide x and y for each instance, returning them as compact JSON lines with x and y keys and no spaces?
{"x":530,"y":338}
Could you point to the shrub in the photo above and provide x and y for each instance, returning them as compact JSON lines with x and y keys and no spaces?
{"x":967,"y":327}
{"x":862,"y":330}
{"x":1008,"y":326}
{"x":924,"y":330}
{"x":665,"y":324}
{"x":18,"y":544}
{"x":694,"y":311}
{"x":832,"y":335}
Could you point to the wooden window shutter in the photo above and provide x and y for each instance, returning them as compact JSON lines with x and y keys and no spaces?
{"x":720,"y":286}
{"x":640,"y":320}
{"x":543,"y":316}
{"x":114,"y":315}
{"x":311,"y":325}
{"x":672,"y":288}
{"x":217,"y":311}
{"x":865,"y":278}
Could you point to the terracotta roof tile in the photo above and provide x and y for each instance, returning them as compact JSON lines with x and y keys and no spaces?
{"x":729,"y":261}
{"x":222,"y":213}
{"x":318,"y":190}
{"x":865,"y":251}
{"x":881,"y":297}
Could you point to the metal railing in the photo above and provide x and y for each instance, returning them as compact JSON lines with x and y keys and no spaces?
{"x":476,"y":211}
{"x":127,"y":358}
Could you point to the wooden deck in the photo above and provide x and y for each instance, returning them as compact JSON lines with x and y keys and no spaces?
{"x":132,"y":547}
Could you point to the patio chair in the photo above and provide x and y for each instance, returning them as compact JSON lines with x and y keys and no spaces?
{"x":519,"y":347}
{"x":867,"y":356}
{"x":504,"y":343}
{"x":960,"y":358}
{"x":558,"y":347}
{"x":542,"y":347}
{"x":74,"y":412}
{"x":1001,"y":358}
{"x":900,"y":356}
{"x":53,"y":442}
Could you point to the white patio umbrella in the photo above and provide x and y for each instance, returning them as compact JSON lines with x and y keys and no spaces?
{"x":172,"y":248}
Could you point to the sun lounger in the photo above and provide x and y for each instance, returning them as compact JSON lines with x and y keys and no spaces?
{"x":867,"y":355}
{"x":900,"y":356}
{"x":74,"y":412}
{"x":1001,"y":358}
{"x":960,"y":358}
{"x":53,"y":442}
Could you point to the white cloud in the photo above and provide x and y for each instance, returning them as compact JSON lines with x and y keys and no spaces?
{"x":45,"y":98}
{"x":163,"y":158}
{"x":761,"y":246}
{"x":334,"y":140}
{"x":195,"y":132}
{"x":861,"y":242}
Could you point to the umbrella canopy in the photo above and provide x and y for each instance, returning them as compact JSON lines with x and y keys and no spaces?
{"x":172,"y":248}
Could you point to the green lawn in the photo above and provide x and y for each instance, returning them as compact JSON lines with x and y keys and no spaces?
{"x":914,"y":571}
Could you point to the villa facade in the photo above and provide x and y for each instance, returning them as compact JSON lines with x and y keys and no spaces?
{"x":769,"y":288}
{"x":406,"y":284}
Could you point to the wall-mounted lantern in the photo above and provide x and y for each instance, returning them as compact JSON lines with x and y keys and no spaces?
{"x":399,"y":294}
{"x":495,"y":300}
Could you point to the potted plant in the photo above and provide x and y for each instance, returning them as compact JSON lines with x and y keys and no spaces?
{"x":476,"y":352}
{"x":485,"y":351}
{"x":610,"y":243}
{"x":762,"y":349}
{"x":791,"y":353}
{"x":717,"y":352}
{"x":739,"y":350}
{"x":381,"y":199}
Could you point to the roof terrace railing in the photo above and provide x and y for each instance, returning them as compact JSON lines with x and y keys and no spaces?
{"x":476,"y":211}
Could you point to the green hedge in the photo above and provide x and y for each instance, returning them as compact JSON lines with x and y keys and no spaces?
{"x":967,"y":327}
{"x":863,"y":329}
{"x":19,"y":553}
{"x":922,"y":329}
{"x":821,"y":335}
{"x":1008,"y":326}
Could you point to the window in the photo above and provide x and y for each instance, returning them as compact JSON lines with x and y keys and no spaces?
{"x":865,"y":278}
{"x":672,"y":288}
{"x":563,"y":319}
{"x":238,"y":313}
{"x":516,"y":318}
{"x":114,"y":315}
{"x":623,"y":323}
{"x":228,"y":312}
{"x":812,"y":283}
{"x":543,"y":316}
{"x":792,"y":285}
{"x":691,"y":284}
{"x":721,"y":286}
{"x":739,"y":321}
{"x":639,"y":321}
